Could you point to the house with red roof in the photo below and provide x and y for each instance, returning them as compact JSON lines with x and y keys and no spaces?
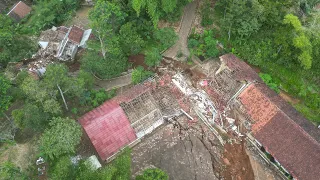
{"x":75,"y":37}
{"x":19,"y":11}
{"x":128,"y":117}
{"x":271,"y":122}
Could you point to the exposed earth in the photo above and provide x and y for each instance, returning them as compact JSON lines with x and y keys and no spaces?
{"x":189,"y":150}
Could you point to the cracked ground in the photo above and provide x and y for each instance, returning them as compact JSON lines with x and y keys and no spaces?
{"x":184,"y":150}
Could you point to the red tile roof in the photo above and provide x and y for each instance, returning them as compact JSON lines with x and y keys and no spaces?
{"x":298,"y":152}
{"x":241,"y":70}
{"x":278,"y":128}
{"x":108,"y":128}
{"x":19,"y":11}
{"x":76,"y":34}
{"x":258,"y":106}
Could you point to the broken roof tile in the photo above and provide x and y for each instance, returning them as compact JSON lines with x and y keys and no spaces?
{"x":76,"y":34}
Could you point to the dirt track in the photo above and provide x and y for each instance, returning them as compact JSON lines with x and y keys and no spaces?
{"x":181,"y":45}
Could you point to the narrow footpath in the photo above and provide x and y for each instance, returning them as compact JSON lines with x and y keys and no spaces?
{"x":185,"y":28}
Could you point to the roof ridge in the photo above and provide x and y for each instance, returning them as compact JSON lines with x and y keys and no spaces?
{"x":281,"y":111}
{"x":14,"y":7}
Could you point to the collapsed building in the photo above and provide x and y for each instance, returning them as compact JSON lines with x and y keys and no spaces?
{"x":58,"y":43}
{"x":271,"y":124}
{"x":230,"y":99}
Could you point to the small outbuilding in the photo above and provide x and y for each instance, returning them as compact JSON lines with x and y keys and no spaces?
{"x":19,"y":11}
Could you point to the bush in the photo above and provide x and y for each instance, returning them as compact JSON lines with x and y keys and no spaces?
{"x":153,"y":57}
{"x":165,"y":38}
{"x":62,"y":169}
{"x":203,"y":44}
{"x":95,"y":98}
{"x":8,"y":171}
{"x":206,"y":13}
{"x":153,"y":174}
{"x":49,"y":13}
{"x":107,"y":68}
{"x":193,"y":43}
{"x":139,"y":75}
{"x":269,"y":81}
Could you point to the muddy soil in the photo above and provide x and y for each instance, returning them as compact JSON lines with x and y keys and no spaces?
{"x":137,"y":60}
{"x":237,"y":163}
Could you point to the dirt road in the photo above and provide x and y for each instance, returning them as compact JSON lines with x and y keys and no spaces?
{"x":181,"y":44}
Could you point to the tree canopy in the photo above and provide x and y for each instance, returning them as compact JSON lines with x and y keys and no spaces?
{"x":61,"y":138}
{"x":4,"y":97}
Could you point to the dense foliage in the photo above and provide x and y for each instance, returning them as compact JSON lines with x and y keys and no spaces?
{"x":4,"y":97}
{"x":157,"y":9}
{"x":281,"y":38}
{"x":203,"y":45}
{"x":153,"y":57}
{"x":120,"y":169}
{"x":46,"y":14}
{"x":14,"y":45}
{"x":9,"y":171}
{"x":139,"y":74}
{"x":153,"y":174}
{"x":61,"y":138}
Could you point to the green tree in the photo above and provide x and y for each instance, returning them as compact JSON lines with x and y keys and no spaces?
{"x":46,"y":14}
{"x":61,"y":138}
{"x":62,"y":169}
{"x":30,"y":116}
{"x":13,"y":45}
{"x":104,"y":68}
{"x":298,"y":40}
{"x":4,"y":97}
{"x":165,"y":38}
{"x":153,"y":174}
{"x":106,"y":18}
{"x":153,"y":57}
{"x":131,"y":42}
{"x":56,"y":78}
{"x":240,"y":18}
{"x":139,"y":75}
{"x":155,"y":8}
{"x":9,"y":171}
{"x":119,"y":169}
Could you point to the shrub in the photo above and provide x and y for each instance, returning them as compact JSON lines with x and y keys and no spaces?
{"x":192,"y":43}
{"x":269,"y":81}
{"x":153,"y":174}
{"x":95,"y":98}
{"x":139,"y":75}
{"x":206,"y":13}
{"x":165,"y":38}
{"x":153,"y":57}
{"x":61,"y":138}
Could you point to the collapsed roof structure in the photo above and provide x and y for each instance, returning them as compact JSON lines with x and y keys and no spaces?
{"x":230,"y":97}
{"x":271,"y":122}
{"x":19,"y":11}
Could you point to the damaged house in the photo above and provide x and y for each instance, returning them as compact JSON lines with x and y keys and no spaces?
{"x":127,"y":118}
{"x":19,"y":11}
{"x":229,"y":97}
{"x":60,"y":43}
{"x":267,"y":120}
{"x":63,"y":42}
